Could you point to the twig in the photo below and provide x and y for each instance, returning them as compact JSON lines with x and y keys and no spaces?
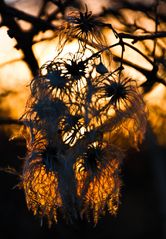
{"x":9,"y":121}
{"x":137,"y":38}
{"x":149,"y":74}
{"x":15,"y":13}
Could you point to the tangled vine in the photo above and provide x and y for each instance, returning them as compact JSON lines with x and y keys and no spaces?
{"x":82,"y":115}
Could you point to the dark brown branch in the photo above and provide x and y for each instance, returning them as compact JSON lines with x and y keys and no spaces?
{"x":136,"y":38}
{"x":24,"y":40}
{"x":139,"y":52}
{"x":144,"y":6}
{"x":13,"y":12}
{"x":10,"y":121}
{"x":151,"y":75}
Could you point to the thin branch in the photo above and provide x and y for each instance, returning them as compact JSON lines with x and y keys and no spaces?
{"x":151,"y":77}
{"x":156,"y":30}
{"x":10,"y":170}
{"x":140,"y":52}
{"x":13,"y":12}
{"x":10,"y":121}
{"x":137,"y":38}
{"x":24,"y":40}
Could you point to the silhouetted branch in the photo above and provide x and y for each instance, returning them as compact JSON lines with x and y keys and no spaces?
{"x":150,"y":75}
{"x":137,"y":38}
{"x":24,"y":41}
{"x":10,"y":121}
{"x":10,"y":170}
{"x":15,"y":13}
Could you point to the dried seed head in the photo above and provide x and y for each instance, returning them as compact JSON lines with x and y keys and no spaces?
{"x":84,"y":27}
{"x":41,"y":190}
{"x":98,"y":183}
{"x":79,"y":117}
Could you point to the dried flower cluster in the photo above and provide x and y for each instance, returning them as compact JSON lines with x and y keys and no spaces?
{"x":79,"y":119}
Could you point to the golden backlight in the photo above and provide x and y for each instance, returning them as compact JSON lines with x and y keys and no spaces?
{"x":119,"y":122}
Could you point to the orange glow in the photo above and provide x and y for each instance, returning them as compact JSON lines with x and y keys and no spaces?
{"x":101,"y":192}
{"x":43,"y":198}
{"x":158,"y":122}
{"x":117,"y":121}
{"x":41,"y":191}
{"x":157,"y":113}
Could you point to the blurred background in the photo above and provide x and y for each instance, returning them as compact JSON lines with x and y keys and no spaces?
{"x":27,"y":40}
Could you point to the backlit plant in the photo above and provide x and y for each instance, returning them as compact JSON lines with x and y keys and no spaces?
{"x":80,"y":112}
